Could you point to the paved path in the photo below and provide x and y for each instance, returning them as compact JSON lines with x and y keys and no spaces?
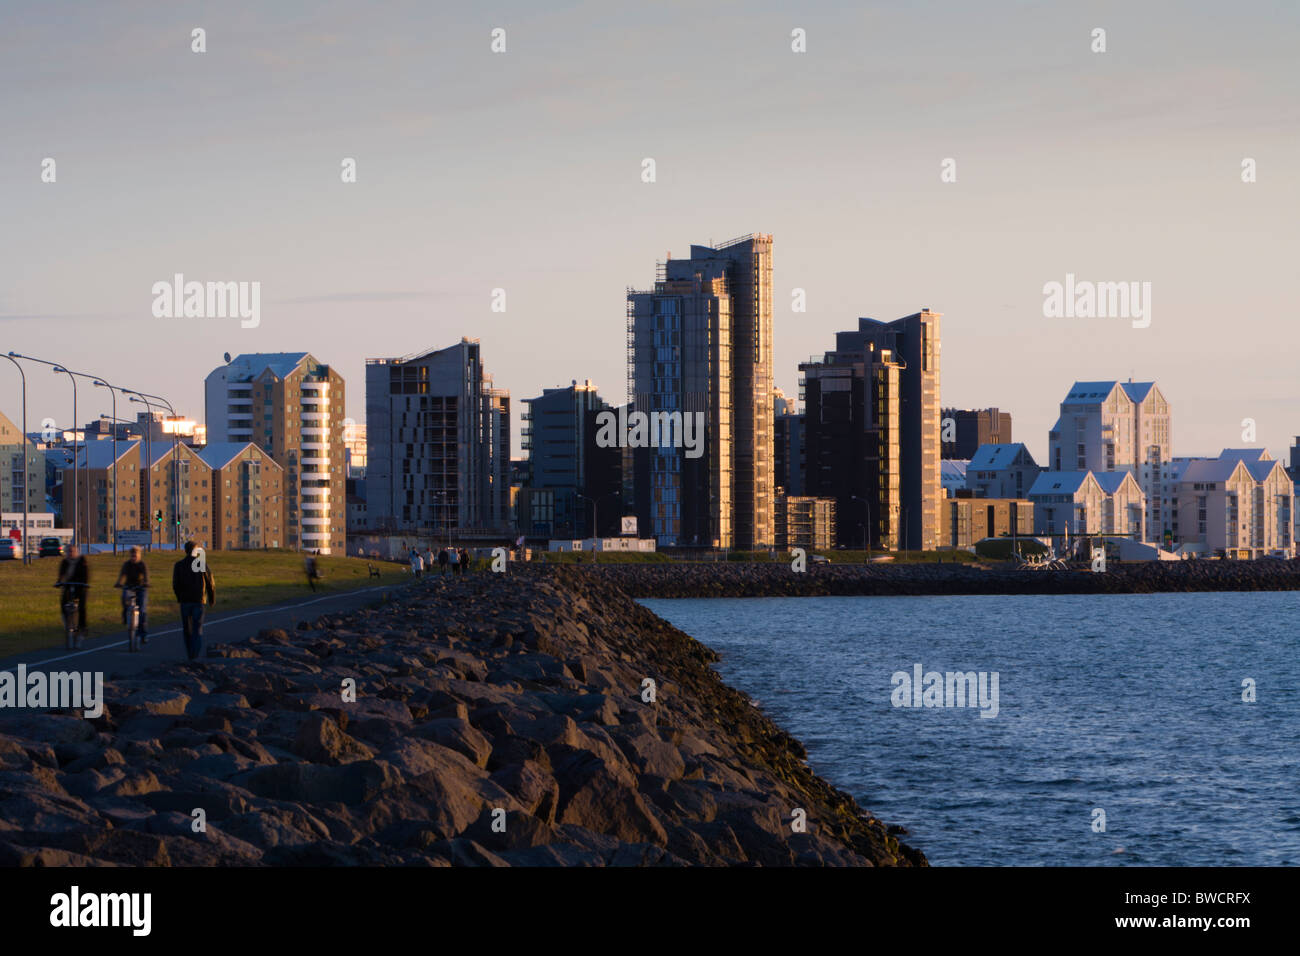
{"x":109,"y":653}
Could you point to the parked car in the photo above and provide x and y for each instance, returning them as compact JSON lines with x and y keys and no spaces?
{"x":820,"y":559}
{"x":10,"y":550}
{"x":51,"y":548}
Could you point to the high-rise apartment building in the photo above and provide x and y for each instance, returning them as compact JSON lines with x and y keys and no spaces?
{"x":852,"y":445}
{"x":679,"y":361}
{"x":963,"y":430}
{"x":787,"y":445}
{"x":913,"y":343}
{"x":1114,"y":426}
{"x":701,"y":342}
{"x":559,"y":435}
{"x":438,"y":444}
{"x":290,"y":405}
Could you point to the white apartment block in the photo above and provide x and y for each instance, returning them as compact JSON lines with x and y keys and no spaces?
{"x":1088,"y":503}
{"x":291,"y":406}
{"x":1241,"y":503}
{"x":1119,"y":426}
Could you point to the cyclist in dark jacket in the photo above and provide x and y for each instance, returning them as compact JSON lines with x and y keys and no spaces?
{"x":74,"y":579}
{"x":135,"y":576}
{"x":192,"y":582}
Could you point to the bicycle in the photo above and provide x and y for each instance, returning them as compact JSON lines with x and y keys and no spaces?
{"x":131,"y":615}
{"x":71,"y":615}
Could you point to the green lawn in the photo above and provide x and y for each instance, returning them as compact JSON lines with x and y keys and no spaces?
{"x":29,"y":604}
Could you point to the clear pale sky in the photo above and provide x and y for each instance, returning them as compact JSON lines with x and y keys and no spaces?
{"x":522,"y":171}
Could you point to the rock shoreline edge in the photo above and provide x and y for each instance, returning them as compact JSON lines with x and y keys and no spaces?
{"x":882,"y":580}
{"x":498,"y":720}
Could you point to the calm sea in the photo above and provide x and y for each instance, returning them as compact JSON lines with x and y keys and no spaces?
{"x":1127,"y":705}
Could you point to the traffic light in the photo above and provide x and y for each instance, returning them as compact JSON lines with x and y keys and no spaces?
{"x":158,"y":516}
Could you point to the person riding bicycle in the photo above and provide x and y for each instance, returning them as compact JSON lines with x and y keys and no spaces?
{"x":134,"y":577}
{"x":74,"y":579}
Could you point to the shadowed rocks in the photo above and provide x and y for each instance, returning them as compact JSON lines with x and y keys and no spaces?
{"x":498,"y":720}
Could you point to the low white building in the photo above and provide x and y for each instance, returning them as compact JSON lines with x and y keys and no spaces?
{"x":40,"y":524}
{"x":603,"y":544}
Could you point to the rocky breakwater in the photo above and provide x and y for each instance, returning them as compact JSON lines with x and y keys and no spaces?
{"x":498,"y":719}
{"x":778,"y":580}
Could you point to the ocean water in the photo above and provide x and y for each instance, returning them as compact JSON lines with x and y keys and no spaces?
{"x":1127,"y":704}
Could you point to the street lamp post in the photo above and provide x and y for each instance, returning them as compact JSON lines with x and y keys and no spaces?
{"x":176,"y":493}
{"x":595,"y":523}
{"x":112,"y":392}
{"x":148,"y":460}
{"x":176,"y":467}
{"x":76,"y":470}
{"x":866,"y":532}
{"x":26,"y":460}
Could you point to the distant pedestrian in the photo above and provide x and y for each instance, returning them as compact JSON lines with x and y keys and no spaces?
{"x":192,"y":583}
{"x":442,"y":561}
{"x":73,"y":580}
{"x":464,"y":560}
{"x":313,"y":572}
{"x":428,"y":559}
{"x":417,"y":563}
{"x":453,"y":558}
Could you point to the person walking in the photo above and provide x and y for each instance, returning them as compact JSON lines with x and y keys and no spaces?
{"x":134,"y":576}
{"x":417,"y":563}
{"x":453,"y":558}
{"x":442,"y":562}
{"x":192,"y":584}
{"x":428,"y":559}
{"x":73,"y":580}
{"x":464,"y":560}
{"x":313,"y":572}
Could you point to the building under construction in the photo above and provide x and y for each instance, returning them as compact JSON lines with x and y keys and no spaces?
{"x":701,"y":342}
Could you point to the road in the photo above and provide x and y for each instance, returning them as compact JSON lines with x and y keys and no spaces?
{"x":109,"y":653}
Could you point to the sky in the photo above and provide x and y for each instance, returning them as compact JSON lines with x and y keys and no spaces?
{"x":523,"y":170}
